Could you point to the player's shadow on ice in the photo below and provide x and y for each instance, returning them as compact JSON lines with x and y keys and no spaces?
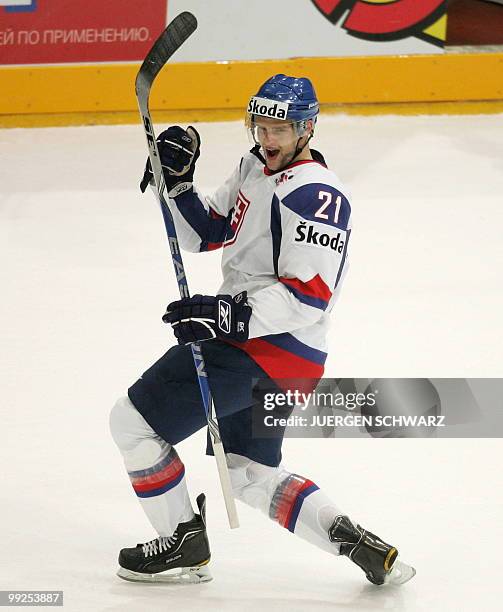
{"x":346,"y":596}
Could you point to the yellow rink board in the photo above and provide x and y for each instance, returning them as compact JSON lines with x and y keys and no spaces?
{"x":104,"y":93}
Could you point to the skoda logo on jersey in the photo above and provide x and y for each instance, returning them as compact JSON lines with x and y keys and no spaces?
{"x":268,"y":108}
{"x":224,"y":316}
{"x":308,"y":234}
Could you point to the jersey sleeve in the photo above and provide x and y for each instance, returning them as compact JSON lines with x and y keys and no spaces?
{"x":310,"y":227}
{"x":202,"y":222}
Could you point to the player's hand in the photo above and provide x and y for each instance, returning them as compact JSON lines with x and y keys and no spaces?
{"x":204,"y":317}
{"x":178,"y":152}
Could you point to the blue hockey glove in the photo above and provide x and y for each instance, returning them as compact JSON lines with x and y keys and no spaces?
{"x":204,"y":317}
{"x":178,"y":152}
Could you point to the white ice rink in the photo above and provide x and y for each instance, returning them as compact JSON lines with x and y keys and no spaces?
{"x":85,"y":277}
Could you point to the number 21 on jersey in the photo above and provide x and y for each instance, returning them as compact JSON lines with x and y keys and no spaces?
{"x":326,"y":196}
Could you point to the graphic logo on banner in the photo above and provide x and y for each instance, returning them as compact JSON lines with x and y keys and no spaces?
{"x":61,"y":31}
{"x":387,"y":20}
{"x":19,"y":6}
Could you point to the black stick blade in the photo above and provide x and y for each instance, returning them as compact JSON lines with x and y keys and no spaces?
{"x":173,"y":37}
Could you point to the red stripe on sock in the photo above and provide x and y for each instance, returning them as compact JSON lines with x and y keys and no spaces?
{"x":288,"y":497}
{"x":154,"y":481}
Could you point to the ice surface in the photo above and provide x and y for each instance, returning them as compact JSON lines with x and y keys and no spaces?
{"x":85,"y":277}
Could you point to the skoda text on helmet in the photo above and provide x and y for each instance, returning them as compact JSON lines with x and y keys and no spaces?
{"x":296,"y":92}
{"x":285,"y":98}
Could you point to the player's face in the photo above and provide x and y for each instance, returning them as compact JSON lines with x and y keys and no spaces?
{"x":278,"y":140}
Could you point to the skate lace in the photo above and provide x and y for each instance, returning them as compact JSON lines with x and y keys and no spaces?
{"x":159,"y":545}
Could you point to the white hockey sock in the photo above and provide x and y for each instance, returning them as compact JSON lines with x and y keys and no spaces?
{"x":154,"y":468}
{"x":295,"y":502}
{"x":162,"y":490}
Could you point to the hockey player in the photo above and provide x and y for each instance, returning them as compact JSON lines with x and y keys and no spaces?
{"x":283,"y":222}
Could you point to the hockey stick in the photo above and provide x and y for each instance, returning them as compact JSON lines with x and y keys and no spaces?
{"x":168,"y":42}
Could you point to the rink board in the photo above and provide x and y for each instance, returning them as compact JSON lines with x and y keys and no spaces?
{"x":224,"y":87}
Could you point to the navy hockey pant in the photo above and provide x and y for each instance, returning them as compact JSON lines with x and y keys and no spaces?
{"x":169,"y":399}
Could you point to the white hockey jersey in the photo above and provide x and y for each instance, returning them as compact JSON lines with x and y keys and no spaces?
{"x":284,"y":237}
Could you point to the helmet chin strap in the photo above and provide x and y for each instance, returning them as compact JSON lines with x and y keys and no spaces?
{"x":297,"y":152}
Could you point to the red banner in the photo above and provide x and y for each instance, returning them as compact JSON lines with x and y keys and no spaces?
{"x":61,"y":31}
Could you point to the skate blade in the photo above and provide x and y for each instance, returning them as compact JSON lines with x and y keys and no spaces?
{"x":400,"y":573}
{"x":181,"y":575}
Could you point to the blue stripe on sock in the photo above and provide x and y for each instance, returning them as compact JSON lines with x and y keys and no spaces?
{"x":298,"y":505}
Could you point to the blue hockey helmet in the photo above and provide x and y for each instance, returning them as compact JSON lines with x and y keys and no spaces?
{"x":285,"y":97}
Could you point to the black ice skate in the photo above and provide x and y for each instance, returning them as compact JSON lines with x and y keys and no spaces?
{"x":376,"y":558}
{"x":181,"y":558}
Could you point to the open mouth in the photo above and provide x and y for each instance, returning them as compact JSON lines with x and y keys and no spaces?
{"x":271,"y":154}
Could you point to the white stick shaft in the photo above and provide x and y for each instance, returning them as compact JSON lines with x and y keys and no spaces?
{"x":225,"y":481}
